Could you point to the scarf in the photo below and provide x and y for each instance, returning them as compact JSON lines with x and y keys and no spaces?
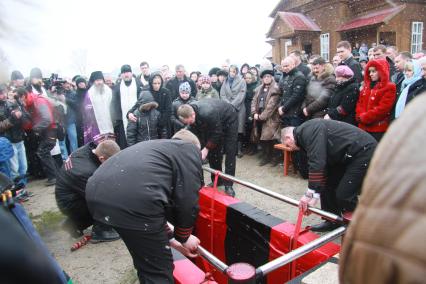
{"x":128,"y":98}
{"x":101,"y":104}
{"x":405,"y":86}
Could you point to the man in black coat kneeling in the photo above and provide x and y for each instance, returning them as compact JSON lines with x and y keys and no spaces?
{"x":71,"y":186}
{"x":338,"y":158}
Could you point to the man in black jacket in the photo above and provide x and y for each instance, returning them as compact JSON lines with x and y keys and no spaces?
{"x":292,"y":86}
{"x":300,"y":66}
{"x":71,"y":186}
{"x":344,"y":50}
{"x":338,"y":158}
{"x":215,"y":122}
{"x":141,"y":188}
{"x":173,"y":84}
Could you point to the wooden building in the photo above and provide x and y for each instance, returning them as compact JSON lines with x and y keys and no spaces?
{"x":316,"y":26}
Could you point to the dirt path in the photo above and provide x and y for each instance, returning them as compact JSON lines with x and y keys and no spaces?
{"x":111,"y":262}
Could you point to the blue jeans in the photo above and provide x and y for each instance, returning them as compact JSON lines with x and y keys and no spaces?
{"x":72,"y":136}
{"x":64,"y":151}
{"x":18,"y":163}
{"x":5,"y":168}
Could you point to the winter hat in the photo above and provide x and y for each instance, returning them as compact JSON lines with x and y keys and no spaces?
{"x":16,"y":75}
{"x":213,"y":71}
{"x":343,"y":71}
{"x":266,"y":68}
{"x":126,"y":68}
{"x":205,"y":79}
{"x":36,"y":73}
{"x":145,"y":98}
{"x":185,"y":88}
{"x":79,"y":80}
{"x":222,"y":72}
{"x":96,"y":75}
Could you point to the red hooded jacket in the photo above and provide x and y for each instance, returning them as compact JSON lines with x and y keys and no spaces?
{"x":41,"y":112}
{"x":375,"y":104}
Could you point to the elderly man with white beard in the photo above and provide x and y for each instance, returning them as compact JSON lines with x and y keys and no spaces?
{"x":124,"y":96}
{"x":97,"y":120}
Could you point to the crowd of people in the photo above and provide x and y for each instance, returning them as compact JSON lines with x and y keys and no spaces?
{"x":45,"y":120}
{"x":330,"y":114}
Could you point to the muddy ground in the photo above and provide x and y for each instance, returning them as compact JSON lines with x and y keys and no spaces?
{"x":111,"y":262}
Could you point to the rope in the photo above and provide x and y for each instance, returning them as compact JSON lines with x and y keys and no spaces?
{"x":81,"y":243}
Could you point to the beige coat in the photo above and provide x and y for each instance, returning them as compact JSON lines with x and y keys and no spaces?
{"x":269,"y":116}
{"x":386,"y":241}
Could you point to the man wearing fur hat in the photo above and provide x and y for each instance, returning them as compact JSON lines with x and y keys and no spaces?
{"x":319,"y":90}
{"x":124,"y":97}
{"x":96,"y":110}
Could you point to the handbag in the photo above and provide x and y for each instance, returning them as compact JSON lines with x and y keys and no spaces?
{"x":254,"y":135}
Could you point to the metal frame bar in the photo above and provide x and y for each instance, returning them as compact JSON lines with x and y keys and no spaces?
{"x":299,"y":252}
{"x":291,"y":201}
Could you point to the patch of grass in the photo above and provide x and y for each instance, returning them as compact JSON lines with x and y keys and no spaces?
{"x":130,"y":277}
{"x":47,"y":221}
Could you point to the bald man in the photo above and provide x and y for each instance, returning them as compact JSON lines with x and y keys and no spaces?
{"x":71,"y":187}
{"x":292,"y":86}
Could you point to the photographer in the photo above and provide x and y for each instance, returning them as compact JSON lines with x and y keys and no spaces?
{"x":42,"y":123}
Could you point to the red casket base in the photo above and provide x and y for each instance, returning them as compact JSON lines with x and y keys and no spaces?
{"x":239,"y":232}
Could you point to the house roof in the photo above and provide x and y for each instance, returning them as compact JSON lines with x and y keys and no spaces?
{"x":370,"y":19}
{"x":295,"y":21}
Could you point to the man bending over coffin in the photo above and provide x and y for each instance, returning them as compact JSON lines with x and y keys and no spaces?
{"x":141,"y":188}
{"x":71,"y":185}
{"x":338,"y":157}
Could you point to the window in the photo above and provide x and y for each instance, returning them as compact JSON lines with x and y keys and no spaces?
{"x":416,"y":36}
{"x":325,"y":46}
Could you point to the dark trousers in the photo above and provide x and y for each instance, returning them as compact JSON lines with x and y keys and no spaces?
{"x":78,"y":213}
{"x":344,"y":183}
{"x":151,"y":253}
{"x":47,"y":143}
{"x":229,"y":148}
{"x":377,"y":135}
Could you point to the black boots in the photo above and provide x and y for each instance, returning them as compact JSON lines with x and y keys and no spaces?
{"x":240,"y":149}
{"x":324,"y":226}
{"x":229,"y":190}
{"x":266,"y":156}
{"x":103,"y":233}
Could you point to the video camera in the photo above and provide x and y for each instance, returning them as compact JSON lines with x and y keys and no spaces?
{"x":54,"y":82}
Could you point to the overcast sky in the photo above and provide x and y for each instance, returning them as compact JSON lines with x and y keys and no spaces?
{"x":199,"y":34}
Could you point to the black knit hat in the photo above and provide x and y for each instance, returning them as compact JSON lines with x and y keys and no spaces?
{"x":222,"y":72}
{"x":16,"y":75}
{"x":145,"y":98}
{"x":213,"y":71}
{"x":126,"y":68}
{"x":79,"y":80}
{"x":36,"y":73}
{"x":267,"y":71}
{"x":96,"y":75}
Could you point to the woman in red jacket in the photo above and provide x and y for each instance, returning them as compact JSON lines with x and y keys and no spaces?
{"x":376,"y":99}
